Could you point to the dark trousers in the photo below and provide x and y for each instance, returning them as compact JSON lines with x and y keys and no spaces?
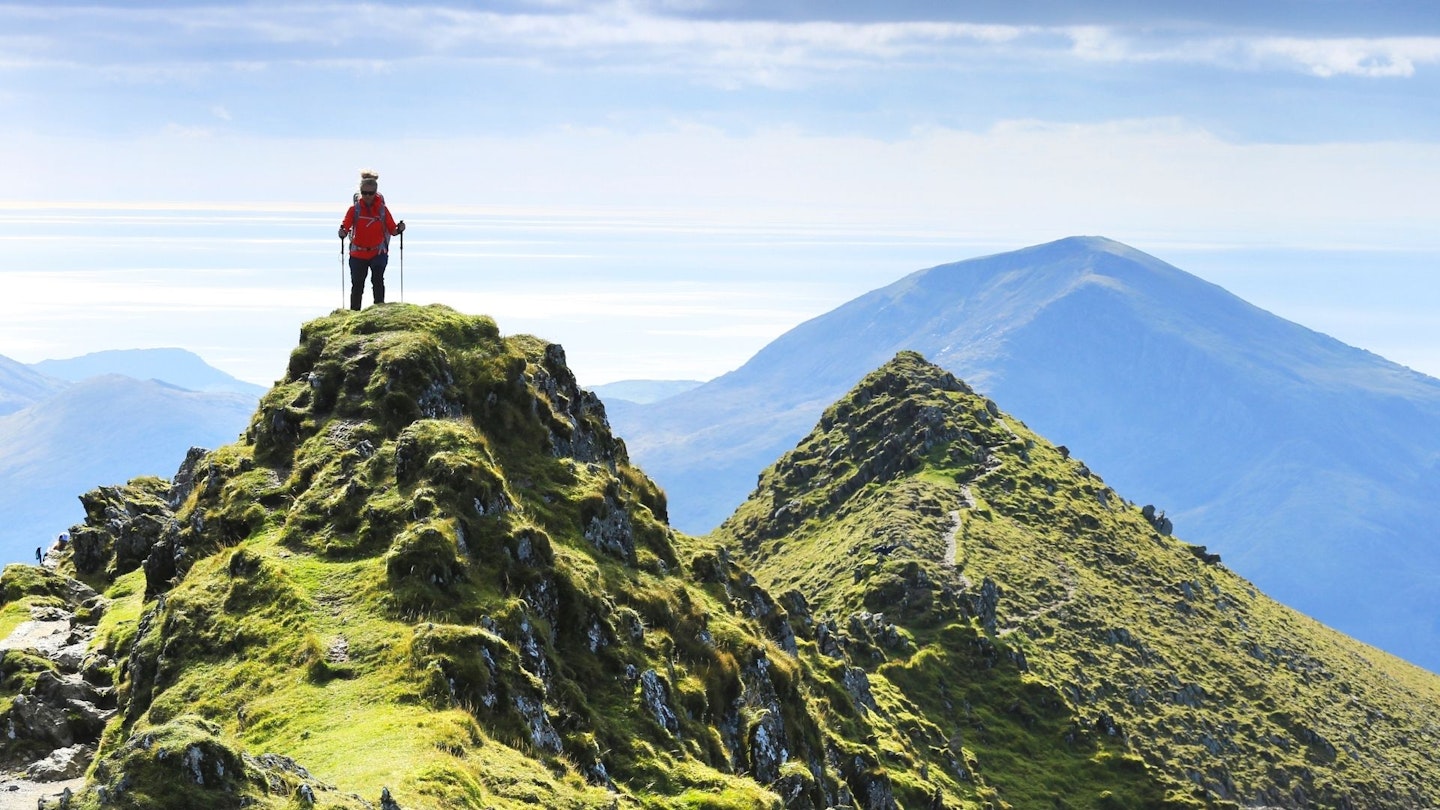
{"x":358,"y":268}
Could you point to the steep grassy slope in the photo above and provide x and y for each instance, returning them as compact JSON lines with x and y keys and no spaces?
{"x":428,"y":577}
{"x":977,"y":541}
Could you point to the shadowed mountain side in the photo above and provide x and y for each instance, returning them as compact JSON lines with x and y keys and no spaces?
{"x":99,"y":431}
{"x":22,"y":386}
{"x":1280,"y":447}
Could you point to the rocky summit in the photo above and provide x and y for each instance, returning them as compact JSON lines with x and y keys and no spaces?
{"x":1055,"y":635}
{"x":428,"y":576}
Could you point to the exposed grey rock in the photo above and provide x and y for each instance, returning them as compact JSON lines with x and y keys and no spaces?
{"x":575,"y":418}
{"x":192,"y":760}
{"x":768,"y":751}
{"x":828,"y":639}
{"x":1105,"y":724}
{"x":532,"y":652}
{"x":869,"y":786}
{"x":438,"y":400}
{"x":769,"y":743}
{"x":794,"y":603}
{"x":37,"y":720}
{"x":542,"y":734}
{"x":986,"y":603}
{"x":655,"y":697}
{"x":857,"y":683}
{"x":755,"y":602}
{"x":1161,"y":523}
{"x":185,"y":477}
{"x":612,"y":532}
{"x":532,"y":549}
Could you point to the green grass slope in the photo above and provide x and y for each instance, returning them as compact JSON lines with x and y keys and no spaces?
{"x":428,"y":577}
{"x":1050,"y":637}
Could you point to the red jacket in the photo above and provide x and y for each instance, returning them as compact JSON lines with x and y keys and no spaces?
{"x":370,"y":226}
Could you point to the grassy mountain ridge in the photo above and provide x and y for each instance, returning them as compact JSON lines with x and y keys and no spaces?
{"x":916,"y":497}
{"x":1281,"y":447}
{"x":428,"y":576}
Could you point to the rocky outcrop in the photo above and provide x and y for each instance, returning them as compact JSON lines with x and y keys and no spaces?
{"x":1162,"y":524}
{"x":135,"y":525}
{"x":186,"y":763}
{"x":64,"y":696}
{"x":655,"y":697}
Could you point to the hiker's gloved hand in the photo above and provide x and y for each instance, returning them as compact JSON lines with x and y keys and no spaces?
{"x":400,"y":226}
{"x":344,"y":233}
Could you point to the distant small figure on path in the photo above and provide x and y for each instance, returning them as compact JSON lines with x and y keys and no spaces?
{"x":369,"y":225}
{"x":38,"y":555}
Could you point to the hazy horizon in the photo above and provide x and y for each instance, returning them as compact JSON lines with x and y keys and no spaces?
{"x":666,"y":187}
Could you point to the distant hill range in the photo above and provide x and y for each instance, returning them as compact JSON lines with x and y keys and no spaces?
{"x":643,"y":391}
{"x":67,"y":426}
{"x":175,"y":366}
{"x":1311,"y":466}
{"x":22,"y":386}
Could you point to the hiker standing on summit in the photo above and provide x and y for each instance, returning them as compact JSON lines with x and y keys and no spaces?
{"x":369,"y":225}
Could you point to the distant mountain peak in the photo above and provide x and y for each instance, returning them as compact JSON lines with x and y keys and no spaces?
{"x":1280,"y":447}
{"x":175,"y":366}
{"x":22,"y":386}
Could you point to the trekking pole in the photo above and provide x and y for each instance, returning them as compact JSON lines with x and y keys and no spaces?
{"x":342,"y":272}
{"x":402,"y":267}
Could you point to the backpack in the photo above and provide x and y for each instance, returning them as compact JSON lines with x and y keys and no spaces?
{"x":355,"y":207}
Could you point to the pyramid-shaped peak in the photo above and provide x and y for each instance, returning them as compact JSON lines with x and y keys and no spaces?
{"x":899,"y":402}
{"x":1081,"y":246}
{"x":1092,"y":244}
{"x":905,"y":415}
{"x":924,"y":507}
{"x":908,"y":372}
{"x":1068,"y":258}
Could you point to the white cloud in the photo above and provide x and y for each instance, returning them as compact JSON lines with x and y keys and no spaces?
{"x":1324,"y":57}
{"x":1371,"y":58}
{"x":144,"y":44}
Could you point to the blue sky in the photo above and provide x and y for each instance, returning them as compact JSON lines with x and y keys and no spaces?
{"x":665,"y":187}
